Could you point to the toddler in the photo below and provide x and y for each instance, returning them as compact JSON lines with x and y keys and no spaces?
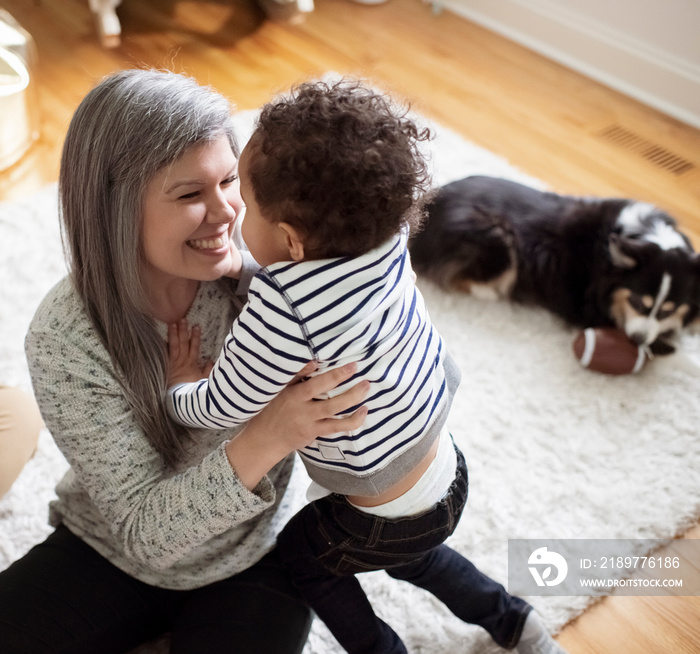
{"x":333,"y":180}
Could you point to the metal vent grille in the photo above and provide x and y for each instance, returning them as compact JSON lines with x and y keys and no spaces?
{"x":657,"y":155}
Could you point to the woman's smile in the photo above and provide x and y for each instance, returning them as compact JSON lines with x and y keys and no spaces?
{"x":213,"y":245}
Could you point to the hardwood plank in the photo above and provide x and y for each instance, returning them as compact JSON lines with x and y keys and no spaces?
{"x":621,"y":624}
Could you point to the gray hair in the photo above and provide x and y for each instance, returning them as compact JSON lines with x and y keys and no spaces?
{"x":127,"y":129}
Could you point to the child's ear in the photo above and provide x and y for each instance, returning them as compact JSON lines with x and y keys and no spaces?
{"x":293,"y":241}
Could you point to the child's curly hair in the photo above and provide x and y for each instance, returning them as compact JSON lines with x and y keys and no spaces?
{"x":341,"y":163}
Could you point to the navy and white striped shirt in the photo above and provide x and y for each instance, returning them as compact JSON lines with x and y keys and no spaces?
{"x":363,"y":309}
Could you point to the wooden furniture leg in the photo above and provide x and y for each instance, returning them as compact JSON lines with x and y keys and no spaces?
{"x":108,"y":27}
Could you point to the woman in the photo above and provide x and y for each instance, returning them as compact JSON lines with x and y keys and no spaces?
{"x":157,"y":529}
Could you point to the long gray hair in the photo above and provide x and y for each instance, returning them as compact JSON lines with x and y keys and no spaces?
{"x":127,"y":129}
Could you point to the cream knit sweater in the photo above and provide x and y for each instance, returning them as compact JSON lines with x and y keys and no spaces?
{"x":177,"y":529}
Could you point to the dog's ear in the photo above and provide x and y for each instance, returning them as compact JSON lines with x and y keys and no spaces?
{"x":629,"y":251}
{"x":621,"y":252}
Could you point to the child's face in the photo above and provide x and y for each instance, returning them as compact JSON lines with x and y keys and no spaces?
{"x":265,"y":239}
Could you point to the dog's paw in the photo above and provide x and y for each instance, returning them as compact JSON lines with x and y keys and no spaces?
{"x":661,"y":348}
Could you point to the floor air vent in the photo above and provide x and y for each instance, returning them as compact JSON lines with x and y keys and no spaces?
{"x":657,"y":155}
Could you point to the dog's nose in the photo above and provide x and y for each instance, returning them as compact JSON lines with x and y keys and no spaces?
{"x":638,"y":338}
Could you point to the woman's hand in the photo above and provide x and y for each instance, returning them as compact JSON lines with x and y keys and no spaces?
{"x":293,"y":420}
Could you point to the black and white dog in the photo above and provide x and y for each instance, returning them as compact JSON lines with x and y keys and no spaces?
{"x":593,"y":262}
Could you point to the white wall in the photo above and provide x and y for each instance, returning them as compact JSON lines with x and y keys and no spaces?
{"x":648,"y":49}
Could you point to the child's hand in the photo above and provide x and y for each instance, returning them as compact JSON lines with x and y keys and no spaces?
{"x":183,"y":355}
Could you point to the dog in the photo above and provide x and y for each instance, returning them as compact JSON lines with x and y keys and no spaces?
{"x":594,"y":262}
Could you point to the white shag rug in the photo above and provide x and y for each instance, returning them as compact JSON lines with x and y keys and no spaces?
{"x":554,"y":451}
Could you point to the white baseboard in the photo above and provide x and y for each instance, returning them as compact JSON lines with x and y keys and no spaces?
{"x":619,"y":60}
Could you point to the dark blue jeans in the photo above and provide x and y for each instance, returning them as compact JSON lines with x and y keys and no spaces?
{"x":62,"y":596}
{"x":329,"y":541}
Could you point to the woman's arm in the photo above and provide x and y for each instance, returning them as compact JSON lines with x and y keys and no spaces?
{"x":263,"y":352}
{"x":158,"y":516}
{"x":293,"y":420}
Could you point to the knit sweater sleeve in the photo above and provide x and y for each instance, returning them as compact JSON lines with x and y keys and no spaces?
{"x":158,"y":515}
{"x":264,"y":350}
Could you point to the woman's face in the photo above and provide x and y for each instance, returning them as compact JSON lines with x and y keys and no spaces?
{"x":190,"y":209}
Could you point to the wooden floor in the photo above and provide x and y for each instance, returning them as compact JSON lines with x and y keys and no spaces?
{"x":574,"y":134}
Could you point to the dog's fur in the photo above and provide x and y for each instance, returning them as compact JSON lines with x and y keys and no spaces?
{"x":593,"y":262}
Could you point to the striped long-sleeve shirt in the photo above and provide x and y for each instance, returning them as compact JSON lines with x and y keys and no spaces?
{"x":363,"y":309}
